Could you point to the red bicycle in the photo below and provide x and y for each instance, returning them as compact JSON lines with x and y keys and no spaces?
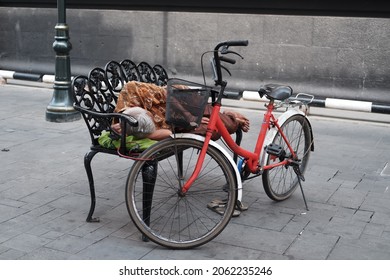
{"x":168,"y":191}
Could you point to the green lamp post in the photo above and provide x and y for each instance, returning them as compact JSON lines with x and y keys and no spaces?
{"x":60,"y":108}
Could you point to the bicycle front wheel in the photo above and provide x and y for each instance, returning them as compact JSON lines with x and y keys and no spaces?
{"x":280,"y":182}
{"x":168,"y":218}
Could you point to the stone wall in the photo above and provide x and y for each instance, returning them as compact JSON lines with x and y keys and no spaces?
{"x":344,"y":57}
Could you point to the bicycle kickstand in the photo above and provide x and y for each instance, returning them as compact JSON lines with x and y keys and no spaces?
{"x":300,"y":179}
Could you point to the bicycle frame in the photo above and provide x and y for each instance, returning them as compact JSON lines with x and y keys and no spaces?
{"x":187,"y":170}
{"x":252,"y":158}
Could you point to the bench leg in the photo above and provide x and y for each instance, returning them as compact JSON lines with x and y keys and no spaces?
{"x":149,"y":173}
{"x":87,"y":164}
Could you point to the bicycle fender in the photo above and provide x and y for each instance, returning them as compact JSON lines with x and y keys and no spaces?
{"x":281,"y":120}
{"x":223,"y":151}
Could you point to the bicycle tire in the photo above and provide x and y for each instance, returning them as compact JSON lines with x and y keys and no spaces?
{"x":157,"y":209}
{"x":280,"y":182}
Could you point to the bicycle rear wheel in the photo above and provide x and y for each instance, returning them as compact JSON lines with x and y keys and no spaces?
{"x":280,"y":182}
{"x":172,"y":220}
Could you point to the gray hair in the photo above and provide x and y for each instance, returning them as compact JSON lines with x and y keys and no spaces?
{"x":145,"y":123}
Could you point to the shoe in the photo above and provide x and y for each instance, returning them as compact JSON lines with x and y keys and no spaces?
{"x":241,"y":206}
{"x":219,"y":206}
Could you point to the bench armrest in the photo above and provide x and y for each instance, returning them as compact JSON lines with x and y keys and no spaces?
{"x":123,"y":118}
{"x":127,"y":118}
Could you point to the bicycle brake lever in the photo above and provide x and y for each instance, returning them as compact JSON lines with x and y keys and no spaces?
{"x":227,"y":70}
{"x":233,"y":52}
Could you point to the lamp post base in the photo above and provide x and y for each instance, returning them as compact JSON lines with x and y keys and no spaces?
{"x":60,"y":108}
{"x":61,"y":115}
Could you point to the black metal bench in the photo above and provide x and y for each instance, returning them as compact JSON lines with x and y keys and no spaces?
{"x":95,"y":98}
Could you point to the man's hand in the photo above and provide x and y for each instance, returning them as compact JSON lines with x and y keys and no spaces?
{"x":204,"y":120}
{"x":117,"y":128}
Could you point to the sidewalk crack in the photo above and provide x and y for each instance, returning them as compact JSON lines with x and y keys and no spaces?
{"x":334,"y":175}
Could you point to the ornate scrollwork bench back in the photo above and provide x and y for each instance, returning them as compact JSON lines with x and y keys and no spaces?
{"x":95,"y":98}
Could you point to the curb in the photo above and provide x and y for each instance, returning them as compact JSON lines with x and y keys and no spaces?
{"x":331,"y":103}
{"x":5,"y":74}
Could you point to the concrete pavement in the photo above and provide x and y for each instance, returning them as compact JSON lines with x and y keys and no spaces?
{"x":44,"y":195}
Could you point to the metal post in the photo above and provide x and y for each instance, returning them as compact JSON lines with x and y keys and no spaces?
{"x":60,"y":108}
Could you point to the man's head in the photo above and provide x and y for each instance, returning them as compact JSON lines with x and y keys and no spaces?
{"x":145,"y":122}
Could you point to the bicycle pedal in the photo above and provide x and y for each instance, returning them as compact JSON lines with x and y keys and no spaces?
{"x":276,"y":150}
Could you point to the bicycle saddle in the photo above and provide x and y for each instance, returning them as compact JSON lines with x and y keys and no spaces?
{"x":276,"y":92}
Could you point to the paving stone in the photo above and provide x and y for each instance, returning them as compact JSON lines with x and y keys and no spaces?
{"x":386,"y":234}
{"x":25,"y":242}
{"x":118,"y":209}
{"x":348,"y":198}
{"x":345,"y":228}
{"x":70,"y":202}
{"x":47,"y":254}
{"x":47,"y":213}
{"x":126,"y":231}
{"x":44,"y":196}
{"x":12,"y":203}
{"x":312,"y":194}
{"x":52,"y":235}
{"x":374,"y":229}
{"x":322,"y":208}
{"x":38,"y":230}
{"x":377,"y":202}
{"x":370,"y":185}
{"x":3,"y":249}
{"x":349,"y":184}
{"x":9,"y":212}
{"x":362,"y":215}
{"x":69,"y":243}
{"x":345,"y":213}
{"x":23,"y":223}
{"x":272,"y":220}
{"x":381,"y":187}
{"x":105,"y":231}
{"x":266,"y":240}
{"x":64,"y":224}
{"x":360,"y":249}
{"x":4,"y":185}
{"x":20,"y":189}
{"x":86,"y":228}
{"x":12,"y":254}
{"x":296,"y":225}
{"x":112,"y":248}
{"x":318,"y":221}
{"x":381,"y":218}
{"x":312,"y":246}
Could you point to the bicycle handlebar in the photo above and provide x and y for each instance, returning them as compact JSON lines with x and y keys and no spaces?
{"x":223,"y":48}
{"x":237,"y":43}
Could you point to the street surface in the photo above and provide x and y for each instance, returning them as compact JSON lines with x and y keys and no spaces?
{"x":44,"y":194}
